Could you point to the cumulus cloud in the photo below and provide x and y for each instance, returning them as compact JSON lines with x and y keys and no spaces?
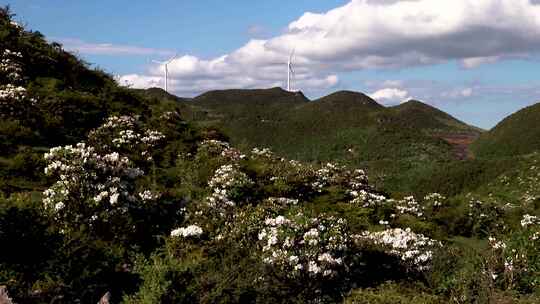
{"x":390,"y":96}
{"x":370,"y":34}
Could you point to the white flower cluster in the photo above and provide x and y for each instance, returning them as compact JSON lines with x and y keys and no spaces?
{"x":84,"y":176}
{"x":10,"y":66}
{"x":366,"y":198}
{"x":186,"y":232}
{"x":326,"y":176}
{"x":148,"y":195}
{"x":265,"y":152}
{"x":169,"y":115}
{"x":14,"y":100}
{"x":12,"y":93}
{"x":496,"y":244}
{"x":282,"y":201}
{"x":415,"y":250}
{"x":408,"y":205}
{"x":298,"y":245}
{"x":124,"y":132}
{"x":115,"y":122}
{"x":226,"y":179}
{"x":124,"y":135}
{"x":529,"y":220}
{"x":15,"y":25}
{"x":359,"y":180}
{"x":13,"y":97}
{"x":435,"y":199}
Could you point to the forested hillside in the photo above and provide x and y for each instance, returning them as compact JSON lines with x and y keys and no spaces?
{"x":138,"y":195}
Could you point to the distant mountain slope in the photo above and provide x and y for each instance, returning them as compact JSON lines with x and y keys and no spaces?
{"x":160,"y":94}
{"x":517,"y":134}
{"x":345,"y":99}
{"x":261,"y":97}
{"x":343,"y":125}
{"x":417,"y":114}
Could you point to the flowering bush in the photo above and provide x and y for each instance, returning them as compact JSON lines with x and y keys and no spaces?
{"x":10,"y":67}
{"x":97,"y":182}
{"x":327,"y":175}
{"x":125,"y":134}
{"x":414,"y":250}
{"x":90,"y":186}
{"x":516,"y":258}
{"x":14,"y":99}
{"x":302,"y":246}
{"x":227,"y":185}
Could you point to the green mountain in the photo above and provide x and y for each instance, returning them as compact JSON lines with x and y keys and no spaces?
{"x":343,"y":125}
{"x":517,"y":134}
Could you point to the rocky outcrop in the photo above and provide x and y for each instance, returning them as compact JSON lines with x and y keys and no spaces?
{"x":4,"y":297}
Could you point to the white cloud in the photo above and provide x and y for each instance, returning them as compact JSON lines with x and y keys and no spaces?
{"x":366,"y":34}
{"x":80,"y":46}
{"x":458,"y":93}
{"x":390,"y":96}
{"x":467,"y":92}
{"x":473,"y":62}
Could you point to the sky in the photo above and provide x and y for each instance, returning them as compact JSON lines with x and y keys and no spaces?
{"x":475,"y":59}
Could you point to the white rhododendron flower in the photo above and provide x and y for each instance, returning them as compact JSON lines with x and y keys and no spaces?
{"x":416,"y":250}
{"x":189,"y":231}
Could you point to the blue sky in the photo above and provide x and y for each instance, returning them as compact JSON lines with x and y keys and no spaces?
{"x":477,"y":60}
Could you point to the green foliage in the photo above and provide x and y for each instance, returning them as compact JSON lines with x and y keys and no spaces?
{"x":157,"y":209}
{"x":517,"y":134}
{"x":393,"y":293}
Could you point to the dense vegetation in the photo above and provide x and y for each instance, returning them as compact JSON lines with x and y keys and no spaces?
{"x":396,"y":145}
{"x":517,"y":134}
{"x":138,"y":193}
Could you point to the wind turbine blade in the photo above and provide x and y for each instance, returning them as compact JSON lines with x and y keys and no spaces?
{"x":172,"y":58}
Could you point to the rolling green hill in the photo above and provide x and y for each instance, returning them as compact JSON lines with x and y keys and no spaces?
{"x":400,"y":146}
{"x":517,"y":134}
{"x":343,"y":125}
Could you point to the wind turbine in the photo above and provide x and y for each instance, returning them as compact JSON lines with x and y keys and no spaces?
{"x":290,"y":71}
{"x":166,"y":63}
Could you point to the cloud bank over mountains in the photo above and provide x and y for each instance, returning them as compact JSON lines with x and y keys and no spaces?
{"x":364,"y":34}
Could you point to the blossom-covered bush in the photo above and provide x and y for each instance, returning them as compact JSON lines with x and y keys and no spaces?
{"x":97,"y":183}
{"x":125,"y":134}
{"x":10,"y":66}
{"x":14,"y":98}
{"x":301,"y":246}
{"x":90,"y":186}
{"x":517,"y":258}
{"x":228,"y":185}
{"x":414,"y":250}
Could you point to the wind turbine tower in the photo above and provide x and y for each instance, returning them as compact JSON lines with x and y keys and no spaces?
{"x":290,"y":71}
{"x":165,"y":64}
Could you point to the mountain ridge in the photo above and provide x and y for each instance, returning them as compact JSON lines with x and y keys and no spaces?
{"x":328,"y":127}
